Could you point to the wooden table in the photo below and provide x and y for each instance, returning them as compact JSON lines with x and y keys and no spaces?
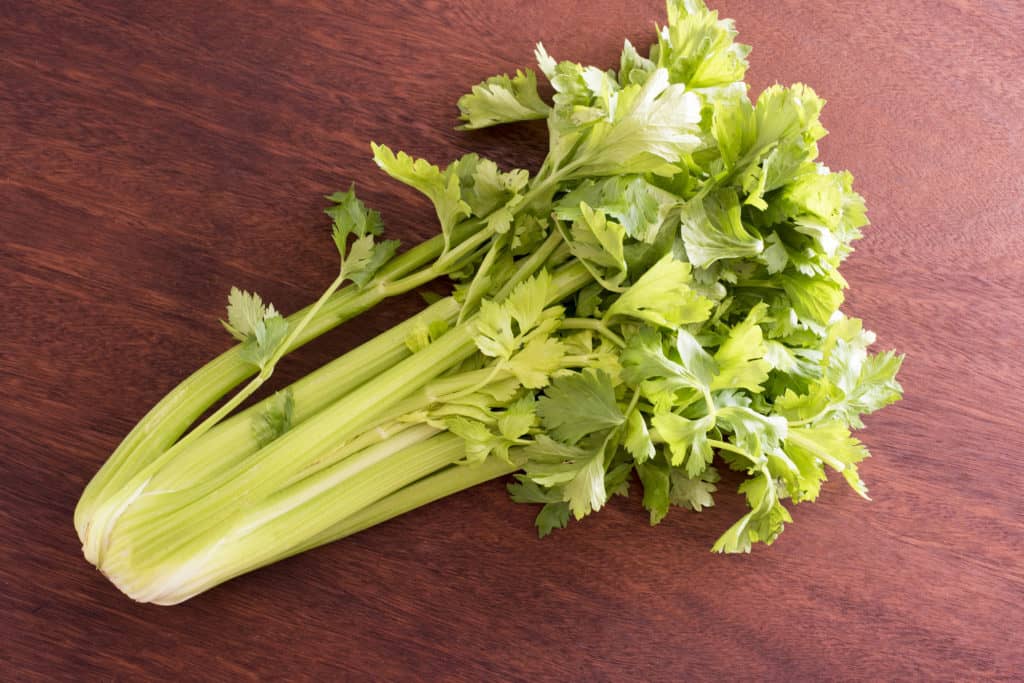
{"x":154,"y":154}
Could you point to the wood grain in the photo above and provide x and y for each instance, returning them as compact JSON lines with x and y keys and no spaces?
{"x":154,"y":154}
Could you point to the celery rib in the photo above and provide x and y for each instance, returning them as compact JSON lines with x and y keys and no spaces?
{"x":427,"y":490}
{"x":168,"y":578}
{"x":170,"y":417}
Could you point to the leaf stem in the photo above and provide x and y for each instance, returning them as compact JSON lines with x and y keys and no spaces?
{"x":528,"y":266}
{"x":595,"y":325}
{"x":148,"y":568}
{"x":814,"y":418}
{"x":761,"y":284}
{"x":267,"y":370}
{"x":439,"y":485}
{"x":709,"y":400}
{"x":726,"y":446}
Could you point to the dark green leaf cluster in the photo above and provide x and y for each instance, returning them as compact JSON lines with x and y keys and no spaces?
{"x":712,"y":334}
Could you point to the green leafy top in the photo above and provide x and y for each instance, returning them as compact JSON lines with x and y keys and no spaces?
{"x":501,"y":99}
{"x":714,"y":239}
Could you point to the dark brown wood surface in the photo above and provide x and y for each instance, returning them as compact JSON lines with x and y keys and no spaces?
{"x":152,"y":154}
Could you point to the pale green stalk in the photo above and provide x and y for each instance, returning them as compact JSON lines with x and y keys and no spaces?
{"x":387,"y":425}
{"x":148,"y":527}
{"x":248,"y":481}
{"x":167,"y":421}
{"x":427,"y":490}
{"x":237,"y":437}
{"x":169,"y":418}
{"x":234,"y":440}
{"x":253,"y":538}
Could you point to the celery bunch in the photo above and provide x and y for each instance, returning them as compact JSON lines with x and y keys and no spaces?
{"x":661,"y":297}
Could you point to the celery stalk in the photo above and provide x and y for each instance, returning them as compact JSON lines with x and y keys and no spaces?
{"x":235,"y":438}
{"x":151,"y":526}
{"x":251,"y":538}
{"x":427,"y":490}
{"x":169,"y":418}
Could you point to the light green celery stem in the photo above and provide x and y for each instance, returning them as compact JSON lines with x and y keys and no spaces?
{"x":391,"y":282}
{"x":566,"y":282}
{"x":257,"y":534}
{"x":349,"y":416}
{"x":169,"y":418}
{"x":390,"y":423}
{"x":594,"y":325}
{"x":531,"y":264}
{"x":184,"y":465}
{"x":207,"y":506}
{"x":368,"y":439}
{"x":178,"y":515}
{"x":236,"y":438}
{"x":433,"y":392}
{"x":433,"y":487}
{"x":266,"y":369}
